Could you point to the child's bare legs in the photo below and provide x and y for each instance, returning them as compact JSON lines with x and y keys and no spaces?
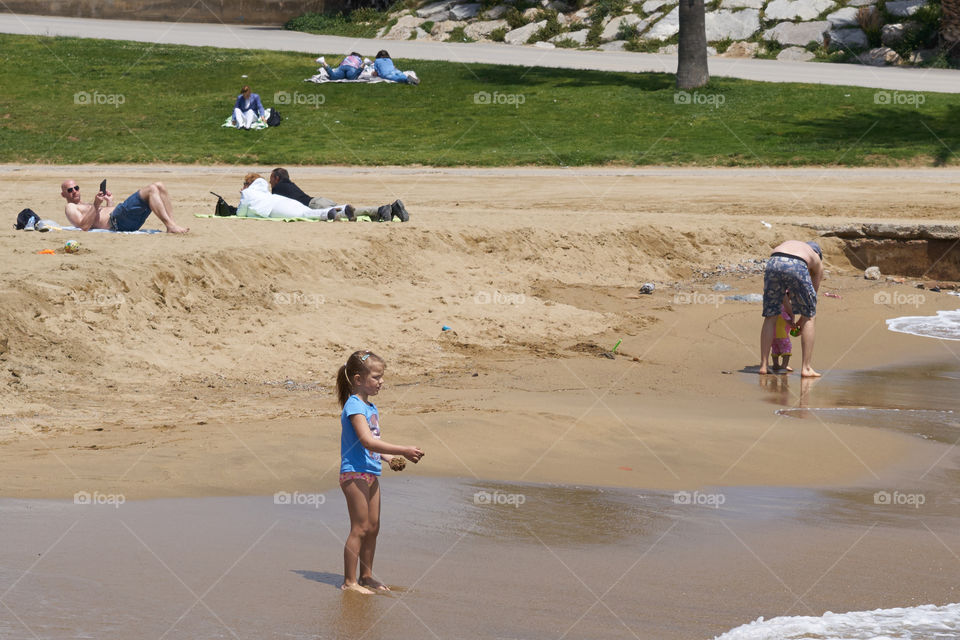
{"x":358,"y":495}
{"x":774,"y":362}
{"x":369,"y":545}
{"x":786,"y":363}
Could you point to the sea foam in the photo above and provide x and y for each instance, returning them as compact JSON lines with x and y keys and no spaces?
{"x":945,"y":325}
{"x":926,"y":622}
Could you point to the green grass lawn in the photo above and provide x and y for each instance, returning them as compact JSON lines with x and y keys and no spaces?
{"x":66,"y":100}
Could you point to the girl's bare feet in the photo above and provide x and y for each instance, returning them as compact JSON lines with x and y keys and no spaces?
{"x":376,"y":585}
{"x":356,"y":587}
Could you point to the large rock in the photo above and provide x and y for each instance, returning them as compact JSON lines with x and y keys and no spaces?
{"x":531,"y":13}
{"x":555,"y":5}
{"x":796,"y":9}
{"x":667,"y":26}
{"x":879,"y":57}
{"x":852,"y":39}
{"x":861,"y":3}
{"x":892,"y":35}
{"x":872,"y":273}
{"x":735,"y":25}
{"x":580,"y":37}
{"x":435,"y":10}
{"x":405,"y":26}
{"x":497,"y":12}
{"x":613,"y":27}
{"x":522,"y":34}
{"x":443,"y":28}
{"x":904,"y":8}
{"x":543,"y":44}
{"x":795,"y":54}
{"x":801,"y":34}
{"x":742,"y":4}
{"x":465,"y":11}
{"x":741,"y":50}
{"x":652,"y":5}
{"x":922,"y":56}
{"x":480,"y":30}
{"x":846,"y":17}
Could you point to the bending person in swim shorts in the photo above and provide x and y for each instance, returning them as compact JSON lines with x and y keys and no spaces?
{"x":798,"y":267}
{"x":129,"y":215}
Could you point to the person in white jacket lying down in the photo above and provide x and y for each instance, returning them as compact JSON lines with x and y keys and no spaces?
{"x":256,"y":201}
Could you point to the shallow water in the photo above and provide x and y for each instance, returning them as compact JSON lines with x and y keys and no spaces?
{"x":944,"y":326}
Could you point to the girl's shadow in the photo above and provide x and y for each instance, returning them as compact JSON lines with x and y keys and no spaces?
{"x":333,"y":579}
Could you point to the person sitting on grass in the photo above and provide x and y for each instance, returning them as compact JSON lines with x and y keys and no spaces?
{"x":281,"y":184}
{"x":383,"y":67}
{"x":129,"y":215}
{"x":349,"y":68}
{"x":247,"y":109}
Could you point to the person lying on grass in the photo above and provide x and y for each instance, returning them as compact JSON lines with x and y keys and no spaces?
{"x":129,"y":215}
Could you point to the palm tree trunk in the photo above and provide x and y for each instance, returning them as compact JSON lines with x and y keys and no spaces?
{"x":692,"y":69}
{"x":950,"y":26}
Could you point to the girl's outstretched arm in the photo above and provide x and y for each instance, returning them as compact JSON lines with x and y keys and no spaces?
{"x":362,"y":428}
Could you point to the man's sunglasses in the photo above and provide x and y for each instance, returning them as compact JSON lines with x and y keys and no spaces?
{"x":74,"y":188}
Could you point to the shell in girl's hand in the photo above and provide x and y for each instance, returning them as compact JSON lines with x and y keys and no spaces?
{"x":398,"y":463}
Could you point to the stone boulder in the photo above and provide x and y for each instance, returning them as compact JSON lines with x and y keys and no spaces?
{"x":481,"y":30}
{"x":853,"y":39}
{"x":800,"y":34}
{"x":465,"y":11}
{"x":613,"y":27}
{"x":652,"y":5}
{"x":667,"y":26}
{"x":872,"y":273}
{"x":741,"y":50}
{"x":892,"y":35}
{"x":795,"y":54}
{"x":435,"y":10}
{"x":442,"y":29}
{"x":497,"y":12}
{"x":861,"y":3}
{"x":796,"y":9}
{"x":544,"y":45}
{"x":531,"y":13}
{"x":556,"y":5}
{"x":846,"y":17}
{"x":522,"y":34}
{"x":904,"y":8}
{"x":403,"y":28}
{"x":879,"y":57}
{"x":922,"y":56}
{"x":742,"y":4}
{"x":580,"y":37}
{"x":735,"y":25}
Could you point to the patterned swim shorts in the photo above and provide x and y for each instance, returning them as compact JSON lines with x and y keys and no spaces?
{"x":783,"y":273}
{"x":347,"y":476}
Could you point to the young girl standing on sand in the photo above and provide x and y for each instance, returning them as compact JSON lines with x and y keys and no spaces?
{"x":360,"y":452}
{"x":782,"y":347}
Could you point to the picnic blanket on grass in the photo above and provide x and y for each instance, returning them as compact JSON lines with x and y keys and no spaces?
{"x":256,"y":123}
{"x":366,"y":76}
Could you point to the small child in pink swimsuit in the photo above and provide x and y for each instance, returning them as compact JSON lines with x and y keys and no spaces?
{"x":782,"y":346}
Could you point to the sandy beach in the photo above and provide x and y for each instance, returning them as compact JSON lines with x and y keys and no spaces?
{"x":201,"y":367}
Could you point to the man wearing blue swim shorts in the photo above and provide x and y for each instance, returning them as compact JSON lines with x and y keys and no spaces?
{"x":129,"y":215}
{"x":795,"y":269}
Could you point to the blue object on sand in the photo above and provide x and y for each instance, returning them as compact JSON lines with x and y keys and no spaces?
{"x":445,"y":328}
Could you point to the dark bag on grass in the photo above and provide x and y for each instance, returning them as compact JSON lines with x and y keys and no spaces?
{"x":222,"y":208}
{"x":23,"y":219}
{"x":274,"y":118}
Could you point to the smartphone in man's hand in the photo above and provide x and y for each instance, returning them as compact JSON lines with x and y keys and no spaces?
{"x":103,"y":186}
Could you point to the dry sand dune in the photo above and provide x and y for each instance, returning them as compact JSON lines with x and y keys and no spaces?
{"x":203,"y":364}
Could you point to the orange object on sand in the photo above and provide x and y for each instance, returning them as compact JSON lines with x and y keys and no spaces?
{"x":50,"y":252}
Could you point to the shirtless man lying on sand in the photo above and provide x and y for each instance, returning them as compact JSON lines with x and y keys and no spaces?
{"x":798,"y":267}
{"x":129,"y":215}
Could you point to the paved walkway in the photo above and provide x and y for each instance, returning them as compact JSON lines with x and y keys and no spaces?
{"x":274,"y":38}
